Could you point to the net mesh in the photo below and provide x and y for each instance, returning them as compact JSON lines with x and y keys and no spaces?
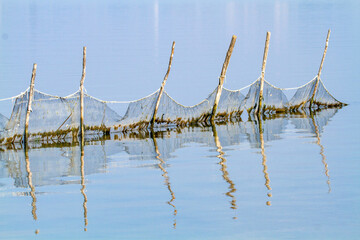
{"x":274,"y":100}
{"x":3,"y":121}
{"x":321,"y":99}
{"x":59,"y":117}
{"x":170,"y":112}
{"x":56,"y":116}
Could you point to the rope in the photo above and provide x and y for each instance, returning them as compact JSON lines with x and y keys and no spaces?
{"x":294,"y":88}
{"x":205,"y":100}
{"x":249,"y":84}
{"x":104,"y":101}
{"x":12,"y":98}
{"x":327,"y":90}
{"x":74,"y":95}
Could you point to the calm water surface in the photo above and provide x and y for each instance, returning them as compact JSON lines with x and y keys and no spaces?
{"x":296,"y":179}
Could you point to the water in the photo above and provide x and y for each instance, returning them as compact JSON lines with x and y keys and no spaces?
{"x":211,"y":183}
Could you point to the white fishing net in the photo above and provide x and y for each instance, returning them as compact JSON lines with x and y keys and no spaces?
{"x":274,"y":100}
{"x":3,"y":121}
{"x":53,"y":116}
{"x":139,"y":113}
{"x":59,"y":117}
{"x":321,"y":99}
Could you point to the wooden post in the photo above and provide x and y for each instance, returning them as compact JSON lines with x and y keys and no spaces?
{"x":258,"y":111}
{"x":82,"y":127}
{"x":30,"y":98}
{"x":222,"y":77}
{"x":162,"y":87}
{"x":320,"y":68}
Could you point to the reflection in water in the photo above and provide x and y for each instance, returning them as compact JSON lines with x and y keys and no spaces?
{"x":82,"y":174}
{"x":323,"y":157}
{"x":56,"y":164}
{"x":314,"y":122}
{"x":30,"y":183}
{"x":165,"y":175}
{"x":263,"y":154}
{"x":224,"y":171}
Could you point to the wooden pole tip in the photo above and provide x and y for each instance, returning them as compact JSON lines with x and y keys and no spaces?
{"x":35,"y":66}
{"x":234,"y":37}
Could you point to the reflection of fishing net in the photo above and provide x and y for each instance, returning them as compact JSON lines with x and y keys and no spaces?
{"x":12,"y":161}
{"x":63,"y":167}
{"x":314,"y":123}
{"x":58,"y":117}
{"x":269,"y":130}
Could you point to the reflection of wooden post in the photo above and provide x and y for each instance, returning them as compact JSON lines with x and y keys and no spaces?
{"x":222,"y":77}
{"x":224,"y":171}
{"x":320,"y":68}
{"x":165,"y":174}
{"x":30,"y":98}
{"x":32,"y":187}
{"x":82,"y":174}
{"x":258,"y":111}
{"x":263,"y":154}
{"x":321,"y":151}
{"x":82,"y":127}
{"x":162,"y":86}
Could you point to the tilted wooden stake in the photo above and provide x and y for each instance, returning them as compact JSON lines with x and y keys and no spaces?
{"x":82,"y":126}
{"x":222,"y":77}
{"x":320,"y":68}
{"x":258,"y":111}
{"x":30,"y":98}
{"x":162,"y":86}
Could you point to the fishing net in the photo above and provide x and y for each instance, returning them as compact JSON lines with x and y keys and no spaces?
{"x":3,"y":121}
{"x":304,"y":95}
{"x":274,"y":100}
{"x":139,"y":113}
{"x":54,"y":117}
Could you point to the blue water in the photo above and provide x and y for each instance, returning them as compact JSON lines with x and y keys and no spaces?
{"x":124,"y":193}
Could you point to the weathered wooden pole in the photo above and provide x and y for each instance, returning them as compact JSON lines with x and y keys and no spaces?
{"x":152,"y":122}
{"x":258,"y":111}
{"x":82,"y":126}
{"x":320,"y":68}
{"x":222,"y":77}
{"x":30,"y":98}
